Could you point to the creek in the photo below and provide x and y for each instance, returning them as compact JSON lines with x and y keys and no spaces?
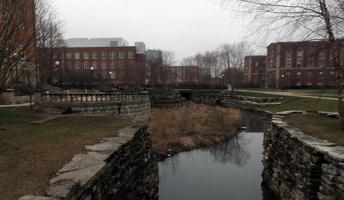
{"x":229,"y":170}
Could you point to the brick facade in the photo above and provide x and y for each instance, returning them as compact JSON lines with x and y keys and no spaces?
{"x":254,"y":71}
{"x":101,"y":65}
{"x":300,"y":64}
{"x":17,"y":25}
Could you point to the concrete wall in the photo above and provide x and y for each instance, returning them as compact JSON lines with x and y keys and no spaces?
{"x":119,"y":168}
{"x":298,"y":166}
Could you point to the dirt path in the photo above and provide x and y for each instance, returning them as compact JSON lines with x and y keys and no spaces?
{"x":291,"y":94}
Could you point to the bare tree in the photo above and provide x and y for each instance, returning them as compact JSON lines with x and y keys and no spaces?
{"x":231,"y":58}
{"x":17,"y":47}
{"x":49,"y":40}
{"x":309,"y":19}
{"x":168,"y":58}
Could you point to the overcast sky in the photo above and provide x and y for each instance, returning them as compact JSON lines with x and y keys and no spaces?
{"x":183,"y":26}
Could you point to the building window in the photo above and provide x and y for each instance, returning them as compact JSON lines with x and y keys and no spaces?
{"x":95,"y":65}
{"x":112,"y":65}
{"x":299,"y":57}
{"x":69,"y":55}
{"x":77,"y":55}
{"x":86,"y":65}
{"x":113,"y":55}
{"x":322,"y":59}
{"x":299,"y":73}
{"x":103,"y":65}
{"x":310,"y":59}
{"x":103,"y":55}
{"x":94,"y":55}
{"x":86,"y":56}
{"x":288,"y":58}
{"x":77,"y":65}
{"x":130,"y":54}
{"x":321,"y":73}
{"x":121,"y":55}
{"x":120,"y":65}
{"x":332,"y":73}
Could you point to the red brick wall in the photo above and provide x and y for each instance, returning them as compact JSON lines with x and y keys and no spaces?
{"x":254,"y":71}
{"x":112,"y":65}
{"x":300,"y":64}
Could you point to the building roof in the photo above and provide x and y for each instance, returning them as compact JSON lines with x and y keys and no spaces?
{"x":95,"y":42}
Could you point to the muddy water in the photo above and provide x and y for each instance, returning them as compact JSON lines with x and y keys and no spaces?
{"x":231,"y":170}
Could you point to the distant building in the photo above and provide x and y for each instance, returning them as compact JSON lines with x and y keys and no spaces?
{"x":175,"y":75}
{"x":102,"y":61}
{"x":254,"y":71}
{"x":300,"y":64}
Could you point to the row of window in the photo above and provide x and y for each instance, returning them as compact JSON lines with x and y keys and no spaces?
{"x":95,"y":65}
{"x":309,"y":74}
{"x":103,"y":55}
{"x":105,"y":75}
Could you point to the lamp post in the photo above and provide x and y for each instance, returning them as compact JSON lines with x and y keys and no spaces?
{"x":92,"y":68}
{"x":110,"y":73}
{"x":57,"y":65}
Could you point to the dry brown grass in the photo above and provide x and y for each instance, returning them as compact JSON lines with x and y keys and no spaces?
{"x":191,"y":126}
{"x":30,"y":155}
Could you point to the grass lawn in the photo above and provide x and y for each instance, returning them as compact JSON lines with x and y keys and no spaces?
{"x":297,"y":103}
{"x":321,"y":127}
{"x":306,"y":92}
{"x":30,"y":155}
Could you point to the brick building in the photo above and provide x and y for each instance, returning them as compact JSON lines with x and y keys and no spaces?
{"x":254,"y":71}
{"x":17,"y":38}
{"x":109,"y":64}
{"x":175,"y":75}
{"x":300,"y":65}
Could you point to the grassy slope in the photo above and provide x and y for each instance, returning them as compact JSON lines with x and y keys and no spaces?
{"x":30,"y":155}
{"x":318,"y":126}
{"x":191,"y":126}
{"x":297,"y":103}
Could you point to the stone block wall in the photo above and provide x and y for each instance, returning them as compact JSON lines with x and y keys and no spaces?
{"x":138,"y":110}
{"x":120,"y":168}
{"x":298,"y":166}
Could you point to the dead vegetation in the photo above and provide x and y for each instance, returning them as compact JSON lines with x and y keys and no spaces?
{"x":177,"y":129}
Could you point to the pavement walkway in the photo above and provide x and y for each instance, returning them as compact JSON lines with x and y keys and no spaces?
{"x":291,"y":94}
{"x":15,"y":105}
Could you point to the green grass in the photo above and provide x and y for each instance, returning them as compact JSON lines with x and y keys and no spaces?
{"x":297,"y":103}
{"x":30,"y":154}
{"x":307,"y":92}
{"x":318,"y":126}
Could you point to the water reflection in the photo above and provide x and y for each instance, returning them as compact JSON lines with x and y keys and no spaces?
{"x":231,"y":151}
{"x":231,"y":170}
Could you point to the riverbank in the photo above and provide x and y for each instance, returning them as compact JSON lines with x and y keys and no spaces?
{"x":192,"y":126}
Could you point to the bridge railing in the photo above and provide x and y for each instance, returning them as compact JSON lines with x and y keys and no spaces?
{"x":47,"y":97}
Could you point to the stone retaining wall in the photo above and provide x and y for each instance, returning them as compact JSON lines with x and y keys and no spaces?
{"x":298,"y":166}
{"x":138,"y":110}
{"x":120,"y":168}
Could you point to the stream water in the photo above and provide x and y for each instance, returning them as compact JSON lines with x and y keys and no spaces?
{"x":230,"y":170}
